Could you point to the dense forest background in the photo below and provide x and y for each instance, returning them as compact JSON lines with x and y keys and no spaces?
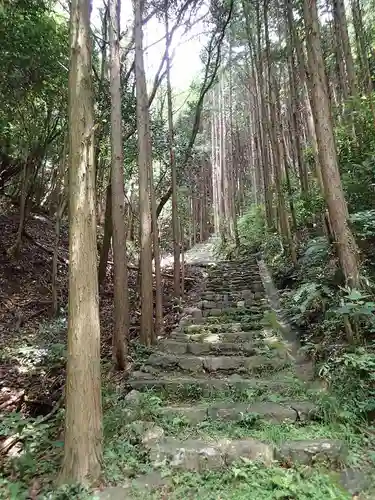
{"x":107,"y":171}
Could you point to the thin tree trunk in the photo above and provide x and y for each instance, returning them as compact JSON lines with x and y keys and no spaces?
{"x":16,"y":248}
{"x":83,"y":411}
{"x":175,"y":216}
{"x":307,"y":89}
{"x":182,"y":262}
{"x":361,"y":46}
{"x":214,"y":165}
{"x":346,"y":246}
{"x":343,"y":29}
{"x":159,"y":326}
{"x":261,"y":92}
{"x":294,"y":112}
{"x":144,"y":162}
{"x":121,"y":300}
{"x":59,"y":215}
{"x":276,"y":143}
{"x":107,"y":236}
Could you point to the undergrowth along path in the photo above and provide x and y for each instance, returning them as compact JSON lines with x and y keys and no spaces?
{"x":220,"y":408}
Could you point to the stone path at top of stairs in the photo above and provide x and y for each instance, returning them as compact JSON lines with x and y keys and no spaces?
{"x":219,"y":349}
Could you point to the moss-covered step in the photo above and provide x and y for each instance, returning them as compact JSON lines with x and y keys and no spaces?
{"x":201,"y":455}
{"x":182,"y":386}
{"x":276,"y":413}
{"x":206,"y":348}
{"x":211,"y":364}
{"x":206,"y":336}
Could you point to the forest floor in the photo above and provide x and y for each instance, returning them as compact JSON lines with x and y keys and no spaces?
{"x":200,"y":416}
{"x":26,"y":326}
{"x":33,"y":342}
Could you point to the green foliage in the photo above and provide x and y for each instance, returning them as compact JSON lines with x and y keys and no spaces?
{"x":310,"y":295}
{"x":248,"y":479}
{"x":352,"y":373}
{"x":364,"y":223}
{"x":69,"y":492}
{"x":308,"y":209}
{"x":356,"y":154}
{"x":315,"y":252}
{"x":34,"y":48}
{"x":251,"y":227}
{"x":40,"y":456}
{"x":33,"y":76}
{"x":356,"y":305}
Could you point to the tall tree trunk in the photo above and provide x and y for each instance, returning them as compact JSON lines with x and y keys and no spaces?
{"x":339,"y":9}
{"x":214,"y":142}
{"x":361,"y":46}
{"x":144,"y":162}
{"x":346,"y":246}
{"x":221,"y":165}
{"x":294,"y":106}
{"x":343,"y":82}
{"x":83,"y":413}
{"x":276,"y":144}
{"x":175,"y":216}
{"x":307,"y":89}
{"x":261,"y":91}
{"x":232,"y":198}
{"x":121,"y":300}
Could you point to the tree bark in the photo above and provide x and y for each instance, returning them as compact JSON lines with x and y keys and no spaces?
{"x":121,"y":299}
{"x":143,"y":126}
{"x":175,"y":216}
{"x":83,"y":414}
{"x":339,"y":9}
{"x":338,"y":212}
{"x":307,"y":89}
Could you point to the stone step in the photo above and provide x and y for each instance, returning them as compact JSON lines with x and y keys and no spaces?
{"x":209,"y":325}
{"x":224,"y":280}
{"x":234,"y":312}
{"x":209,"y":385}
{"x":237,"y":337}
{"x":235,"y":276}
{"x":216,"y":317}
{"x":234,"y":272}
{"x":220,"y":271}
{"x":202,"y":455}
{"x":204,"y":348}
{"x":237,"y":264}
{"x":259,"y":292}
{"x":212,"y":364}
{"x":224,"y":276}
{"x":232,"y":296}
{"x":239,"y":302}
{"x":277,"y":413}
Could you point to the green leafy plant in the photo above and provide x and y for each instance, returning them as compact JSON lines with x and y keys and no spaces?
{"x":251,"y":228}
{"x":351,"y":376}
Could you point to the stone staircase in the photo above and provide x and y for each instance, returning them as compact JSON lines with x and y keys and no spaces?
{"x":223,"y":353}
